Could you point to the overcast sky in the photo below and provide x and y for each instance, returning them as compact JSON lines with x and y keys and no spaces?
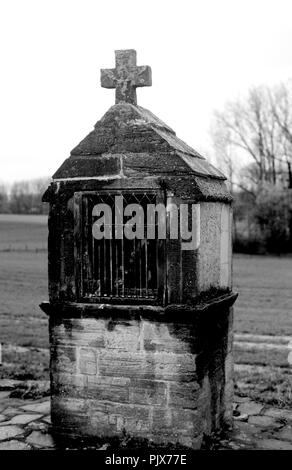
{"x":202,"y":53}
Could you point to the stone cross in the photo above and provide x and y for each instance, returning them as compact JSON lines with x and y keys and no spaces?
{"x":126,"y":77}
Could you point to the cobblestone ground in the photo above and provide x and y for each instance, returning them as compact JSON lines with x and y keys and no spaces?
{"x":25,"y":423}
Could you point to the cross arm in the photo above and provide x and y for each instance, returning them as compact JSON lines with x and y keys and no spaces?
{"x":144,"y":76}
{"x":107,"y":78}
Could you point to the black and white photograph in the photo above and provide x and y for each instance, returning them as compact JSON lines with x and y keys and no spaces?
{"x":146,"y":229}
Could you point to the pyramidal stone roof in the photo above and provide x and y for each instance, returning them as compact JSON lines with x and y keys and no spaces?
{"x":142,"y":139}
{"x":130,"y":147}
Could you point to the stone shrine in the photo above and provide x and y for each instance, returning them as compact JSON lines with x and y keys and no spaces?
{"x":140,"y":320}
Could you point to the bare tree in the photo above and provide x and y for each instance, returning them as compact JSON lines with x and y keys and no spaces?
{"x":253,"y":143}
{"x":281,"y":105}
{"x":26,"y":196}
{"x":223,"y":152}
{"x":250,"y":131}
{"x":4,"y":205}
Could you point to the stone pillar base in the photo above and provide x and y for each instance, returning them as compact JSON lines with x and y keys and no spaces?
{"x":161,"y":375}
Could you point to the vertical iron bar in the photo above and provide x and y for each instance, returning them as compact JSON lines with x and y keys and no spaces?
{"x":85,"y":260}
{"x":99,"y":267}
{"x":123,"y":255}
{"x":146,"y":267}
{"x":93,"y":251}
{"x":117,"y":268}
{"x":89,"y":244}
{"x":140,"y":267}
{"x":157,"y":255}
{"x":135,"y":267}
{"x":123,"y":269}
{"x":104,"y":266}
{"x":111,"y":266}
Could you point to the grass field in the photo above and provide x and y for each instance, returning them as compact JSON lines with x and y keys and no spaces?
{"x":264,"y":307}
{"x":23,"y":232}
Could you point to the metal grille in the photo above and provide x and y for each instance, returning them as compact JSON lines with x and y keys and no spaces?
{"x":118,"y":268}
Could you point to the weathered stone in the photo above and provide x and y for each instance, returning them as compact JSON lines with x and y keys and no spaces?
{"x":273,"y":444}
{"x":284,"y":434}
{"x":245,"y":429}
{"x":3,"y":418}
{"x":238,"y":399}
{"x":64,"y":358}
{"x":9,"y":384}
{"x":14,"y":445}
{"x":4,"y":395}
{"x":250,"y":408}
{"x":185,"y":395}
{"x":169,"y":338}
{"x":209,"y":253}
{"x":163,"y":366}
{"x":39,"y":439}
{"x":38,"y":426}
{"x":150,"y":392}
{"x":77,"y":167}
{"x":47,"y":419}
{"x":124,"y":338}
{"x":23,"y":419}
{"x":88,"y":361}
{"x":6,"y":432}
{"x":264,"y":421}
{"x":283,"y":414}
{"x":43,"y":407}
{"x":126,"y":77}
{"x":110,"y":387}
{"x":241,"y":417}
{"x":10,"y":411}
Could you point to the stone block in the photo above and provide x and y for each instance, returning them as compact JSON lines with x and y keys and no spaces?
{"x":148,"y":392}
{"x":60,"y":379}
{"x":285,"y":434}
{"x":108,"y":388}
{"x":281,"y":414}
{"x":70,"y":415}
{"x":171,"y":338}
{"x":88,"y":361}
{"x":156,"y":366}
{"x":228,"y":390}
{"x":190,"y":274}
{"x":63,"y":359}
{"x":111,"y":418}
{"x":86,"y":332}
{"x":251,"y":408}
{"x":174,"y":423}
{"x":39,"y":439}
{"x":14,"y":445}
{"x":264,"y":421}
{"x":184,"y":395}
{"x":209,"y":250}
{"x":273,"y":444}
{"x":123,"y":336}
{"x":225,"y":242}
{"x":73,"y":167}
{"x":43,"y":407}
{"x":174,"y":271}
{"x":23,"y":419}
{"x":7,"y":432}
{"x":187,"y":422}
